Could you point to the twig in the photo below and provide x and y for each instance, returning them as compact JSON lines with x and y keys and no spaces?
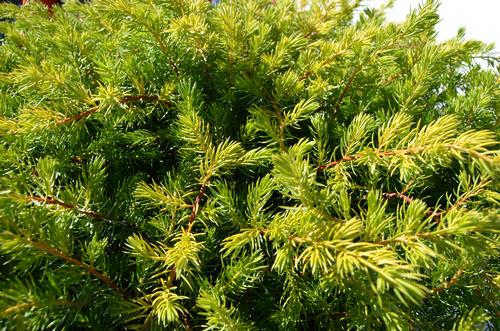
{"x":339,"y":314}
{"x":125,"y":100}
{"x":52,"y":201}
{"x":464,"y":198}
{"x":306,"y":75}
{"x":78,"y":116}
{"x":18,"y":307}
{"x":394,"y":195}
{"x":196,"y":206}
{"x":390,"y":79}
{"x":449,"y":283}
{"x":194,"y":212}
{"x":25,"y":306}
{"x":346,"y":88}
{"x":429,"y":213}
{"x":334,"y":163}
{"x":161,"y":44}
{"x":379,"y":154}
{"x":405,"y":238}
{"x":131,"y":98}
{"x":187,"y":322}
{"x":410,"y":151}
{"x":171,"y":277}
{"x":44,"y":247}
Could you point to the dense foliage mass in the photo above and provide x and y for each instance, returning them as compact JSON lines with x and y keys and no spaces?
{"x":253,"y":165}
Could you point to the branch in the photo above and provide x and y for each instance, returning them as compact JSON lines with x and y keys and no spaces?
{"x":131,"y":98}
{"x":409,"y":151}
{"x":52,"y":201}
{"x":339,"y":314}
{"x":18,"y":307}
{"x":306,"y":75}
{"x":429,"y":213}
{"x":346,"y":88}
{"x":405,"y":238}
{"x":196,"y":206}
{"x":164,"y":49}
{"x":44,"y":247}
{"x":334,"y":163}
{"x":355,"y":157}
{"x":394,"y":195}
{"x":449,"y":283}
{"x":186,"y":320}
{"x":78,"y":116}
{"x":24,"y":306}
{"x":125,"y":100}
{"x":475,"y":191}
{"x":194,"y":212}
{"x":171,"y":277}
{"x":390,"y":79}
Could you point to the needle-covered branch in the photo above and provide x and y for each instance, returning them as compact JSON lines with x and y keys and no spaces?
{"x":249,"y":165}
{"x":47,"y":249}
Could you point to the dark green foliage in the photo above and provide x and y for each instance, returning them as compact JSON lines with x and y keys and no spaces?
{"x":249,"y":166}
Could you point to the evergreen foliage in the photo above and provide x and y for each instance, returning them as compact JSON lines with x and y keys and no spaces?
{"x":253,"y":165}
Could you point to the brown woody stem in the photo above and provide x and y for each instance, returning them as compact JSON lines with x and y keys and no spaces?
{"x":18,"y":307}
{"x":194,"y":212}
{"x":41,"y":246}
{"x":429,"y":213}
{"x":346,"y":88}
{"x":410,"y":151}
{"x":196,"y":206}
{"x":379,"y":154}
{"x":449,"y":283}
{"x":394,"y":195}
{"x":25,"y":306}
{"x":78,"y":116}
{"x":125,"y":100}
{"x":334,"y":163}
{"x":52,"y":201}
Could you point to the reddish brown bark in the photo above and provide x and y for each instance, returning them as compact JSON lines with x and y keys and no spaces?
{"x":44,"y":247}
{"x":48,"y":3}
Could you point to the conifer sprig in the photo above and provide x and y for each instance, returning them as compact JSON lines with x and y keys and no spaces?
{"x":251,"y":165}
